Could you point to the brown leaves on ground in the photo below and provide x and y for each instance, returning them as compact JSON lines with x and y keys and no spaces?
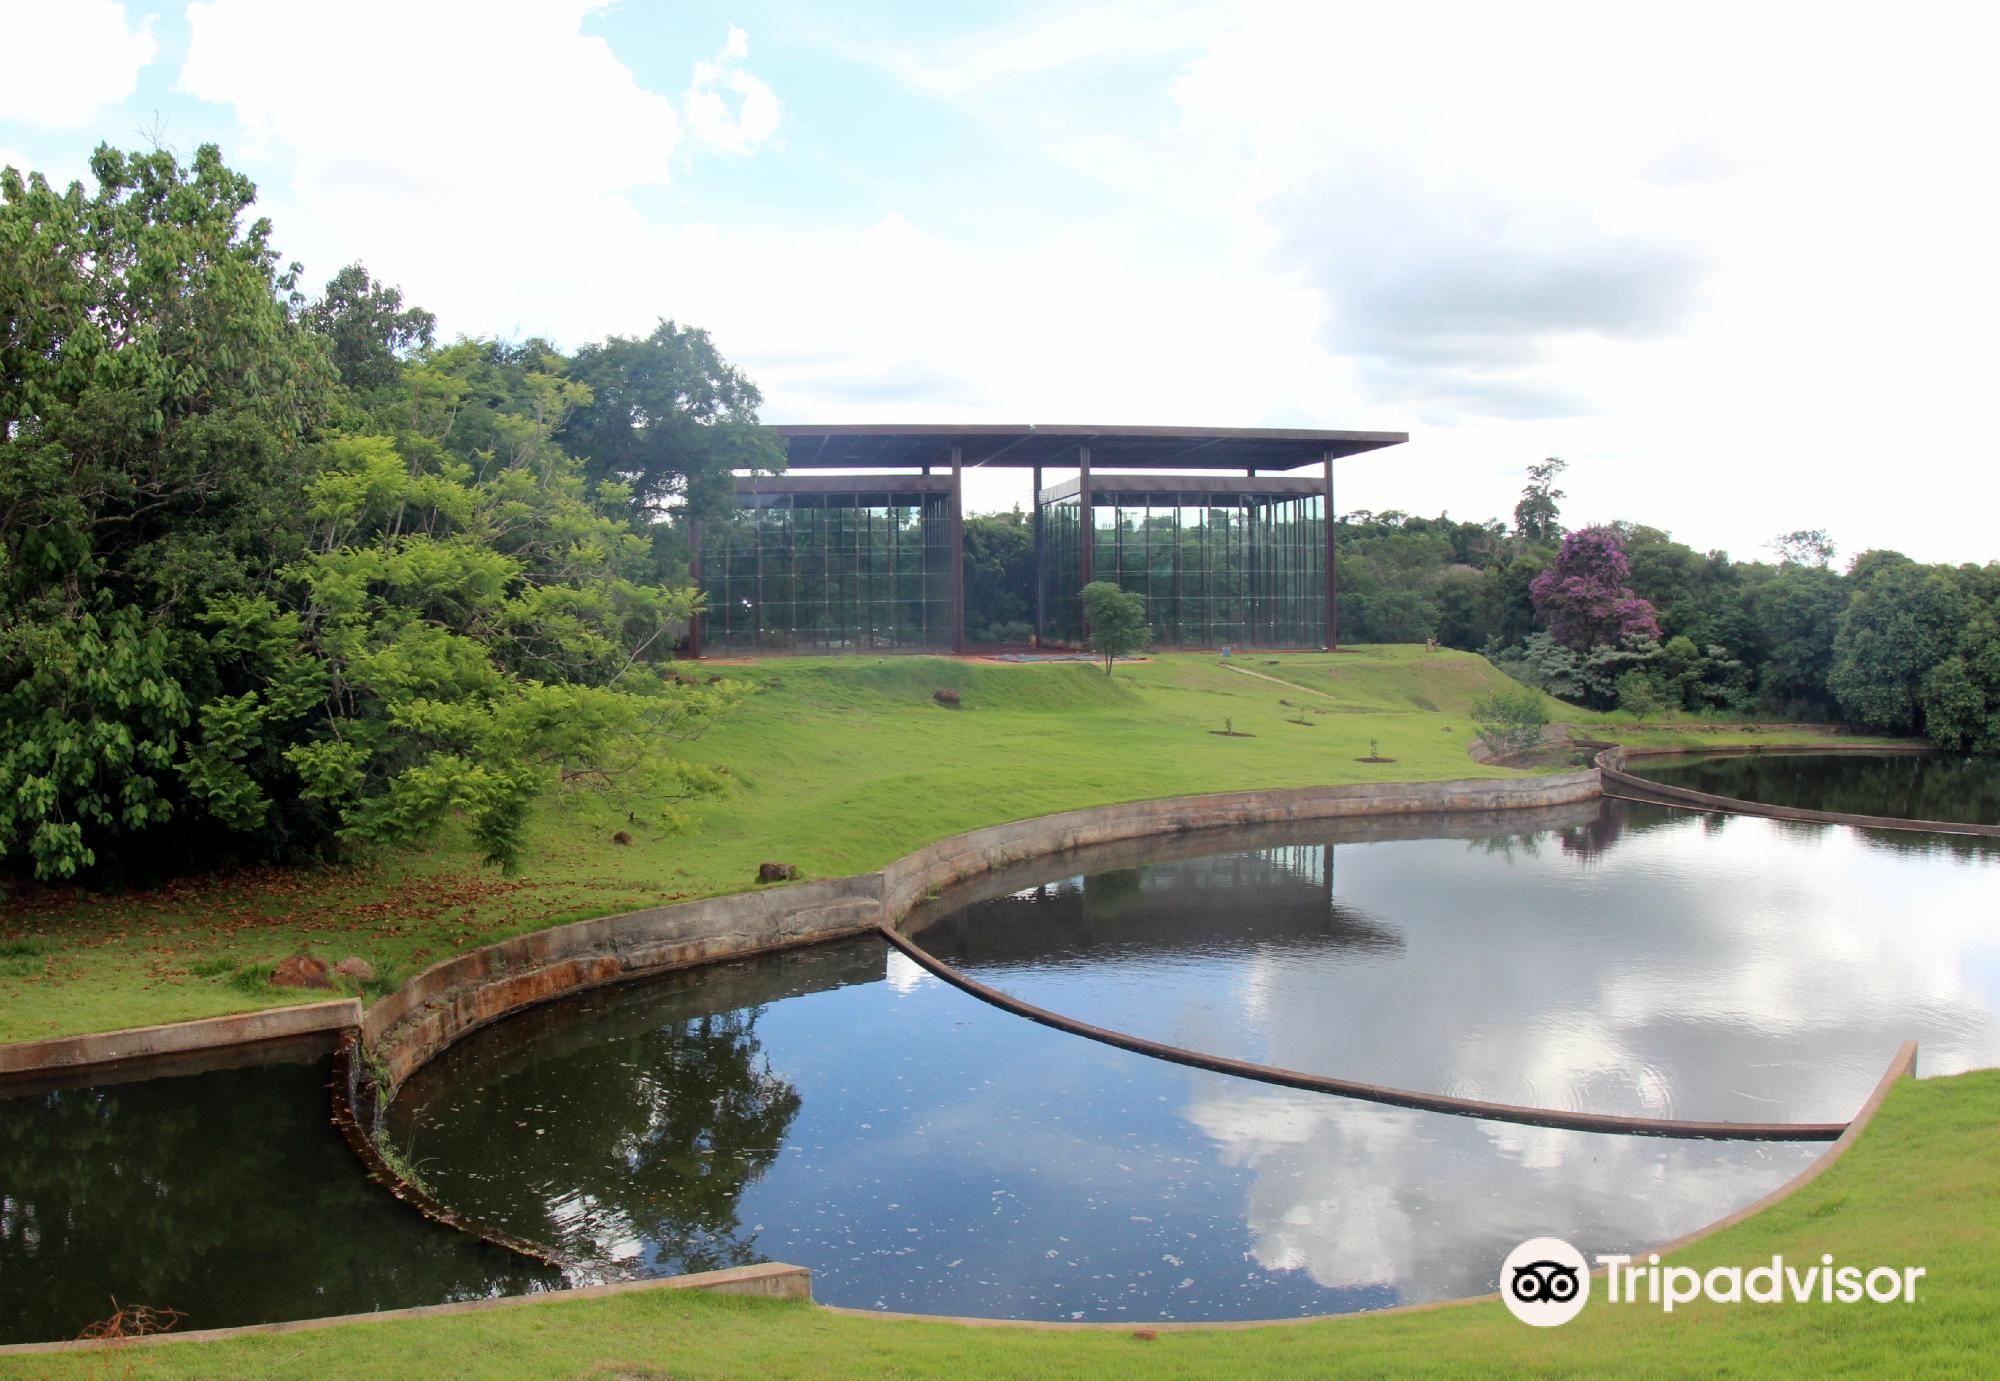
{"x":259,"y":911}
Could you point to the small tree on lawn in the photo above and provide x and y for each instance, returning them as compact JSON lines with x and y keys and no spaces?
{"x":1117,"y":621}
{"x":1510,"y":722}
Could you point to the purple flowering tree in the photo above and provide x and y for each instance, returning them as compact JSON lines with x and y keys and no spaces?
{"x":1583,"y":597}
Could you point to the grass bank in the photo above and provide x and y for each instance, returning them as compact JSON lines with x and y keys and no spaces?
{"x":1917,"y":1190}
{"x":837,"y":766}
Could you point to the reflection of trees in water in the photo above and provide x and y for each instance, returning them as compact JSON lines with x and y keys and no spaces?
{"x":223,"y":1194}
{"x":630,"y":1148}
{"x":1910,"y":787}
{"x":1526,"y":844}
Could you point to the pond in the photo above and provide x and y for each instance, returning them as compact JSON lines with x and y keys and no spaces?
{"x":1911,"y":786}
{"x":224,"y":1194}
{"x":839,"y":1108}
{"x":1633,"y":960}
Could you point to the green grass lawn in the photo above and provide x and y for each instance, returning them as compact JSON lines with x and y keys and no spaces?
{"x":1918,"y":1189}
{"x":838,"y":766}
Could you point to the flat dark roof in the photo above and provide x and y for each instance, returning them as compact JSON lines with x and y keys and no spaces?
{"x":855,"y":446}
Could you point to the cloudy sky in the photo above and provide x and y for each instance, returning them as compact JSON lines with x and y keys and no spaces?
{"x":1735,"y":263}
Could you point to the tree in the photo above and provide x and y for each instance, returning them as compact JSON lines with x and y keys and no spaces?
{"x":1639,"y":694}
{"x":156,"y":392}
{"x":247,"y":610}
{"x":669,"y":418}
{"x":1583,"y":597}
{"x":999,"y":577}
{"x":1798,"y":612}
{"x":1806,"y":546}
{"x":467,"y":633}
{"x":1902,"y":622}
{"x":1537,"y":517}
{"x":1960,"y":696}
{"x":1117,"y":621}
{"x":1510,"y":722}
{"x":369,"y":332}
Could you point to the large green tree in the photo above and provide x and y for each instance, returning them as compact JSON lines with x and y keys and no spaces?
{"x":1904,"y":619}
{"x":276,"y":575}
{"x":669,"y":418}
{"x":369,"y":332}
{"x":156,"y":392}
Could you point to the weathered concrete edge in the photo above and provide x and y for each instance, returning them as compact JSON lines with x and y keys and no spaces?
{"x":930,"y":869}
{"x":1630,"y":786}
{"x":1903,"y":1066}
{"x":773,"y":1280}
{"x":451,"y":999}
{"x":177,"y":1038}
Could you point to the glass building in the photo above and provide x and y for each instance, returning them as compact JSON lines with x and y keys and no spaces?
{"x":1243,"y":565}
{"x":859,"y":570}
{"x":872,"y":559}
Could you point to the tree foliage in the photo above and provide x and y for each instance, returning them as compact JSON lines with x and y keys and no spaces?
{"x":368,"y":330}
{"x":1898,"y":627}
{"x":280,"y":574}
{"x":1538,"y":516}
{"x":1510,"y":722}
{"x":1584,"y":598}
{"x":1117,"y":620}
{"x":670,"y":419}
{"x":999,"y":577}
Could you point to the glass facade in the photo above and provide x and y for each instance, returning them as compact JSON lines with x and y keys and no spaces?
{"x":1215,"y":569}
{"x":829,"y":573}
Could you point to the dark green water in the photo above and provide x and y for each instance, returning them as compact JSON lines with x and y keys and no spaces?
{"x":226,"y":1195}
{"x":1945,"y":787}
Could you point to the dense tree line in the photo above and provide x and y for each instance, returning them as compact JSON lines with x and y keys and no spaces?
{"x":1623,"y":615}
{"x":279,"y":571}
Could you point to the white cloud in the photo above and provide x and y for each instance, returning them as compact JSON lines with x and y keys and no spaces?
{"x":507,"y":101}
{"x":65,"y":63}
{"x":708,"y":117}
{"x":1515,"y":233}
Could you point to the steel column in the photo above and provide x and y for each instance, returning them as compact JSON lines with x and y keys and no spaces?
{"x":1332,"y":566}
{"x":694,"y":573}
{"x":1087,"y":539}
{"x":957,"y":551}
{"x":1036,"y":548}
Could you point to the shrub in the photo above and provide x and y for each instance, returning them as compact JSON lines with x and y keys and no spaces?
{"x":1510,"y":721}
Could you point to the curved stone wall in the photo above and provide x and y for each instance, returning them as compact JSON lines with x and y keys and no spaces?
{"x":446,"y":1001}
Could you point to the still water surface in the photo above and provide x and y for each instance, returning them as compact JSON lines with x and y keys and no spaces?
{"x":1633,"y":960}
{"x":1939,"y":787}
{"x":225,"y":1195}
{"x":839,"y":1108}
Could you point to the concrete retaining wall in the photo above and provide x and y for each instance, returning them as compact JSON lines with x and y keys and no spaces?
{"x":444,"y":1002}
{"x":910,"y":878}
{"x":39,"y":1058}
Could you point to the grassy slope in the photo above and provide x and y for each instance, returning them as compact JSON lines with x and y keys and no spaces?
{"x":840,"y":765}
{"x":1918,"y":1190}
